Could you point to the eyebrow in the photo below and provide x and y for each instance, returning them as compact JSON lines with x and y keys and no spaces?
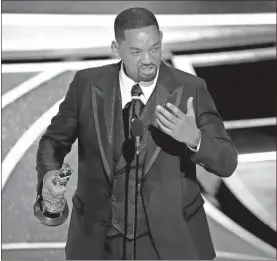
{"x":155,"y":44}
{"x":136,"y":48}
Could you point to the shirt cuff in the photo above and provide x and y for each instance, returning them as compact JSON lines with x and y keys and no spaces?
{"x":198,"y":146}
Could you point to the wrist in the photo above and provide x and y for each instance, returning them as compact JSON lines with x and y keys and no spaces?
{"x":50,"y":175}
{"x":196,"y":139}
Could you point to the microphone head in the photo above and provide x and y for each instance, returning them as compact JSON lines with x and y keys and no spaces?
{"x":137,"y":128}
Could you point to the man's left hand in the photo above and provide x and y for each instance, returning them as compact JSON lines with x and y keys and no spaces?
{"x":180,"y":126}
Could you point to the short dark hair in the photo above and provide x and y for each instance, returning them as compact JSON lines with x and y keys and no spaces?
{"x":133,"y":18}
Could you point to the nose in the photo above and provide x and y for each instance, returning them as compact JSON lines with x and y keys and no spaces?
{"x":146,"y":58}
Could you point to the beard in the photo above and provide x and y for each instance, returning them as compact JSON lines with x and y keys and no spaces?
{"x":147,"y":75}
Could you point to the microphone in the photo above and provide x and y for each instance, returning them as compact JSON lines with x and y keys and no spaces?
{"x":137,"y":131}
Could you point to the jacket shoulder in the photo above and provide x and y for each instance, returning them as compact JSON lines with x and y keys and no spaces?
{"x":96,"y":72}
{"x":186,"y":78}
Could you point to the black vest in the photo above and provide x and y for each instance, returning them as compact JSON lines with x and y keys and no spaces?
{"x":118,"y":196}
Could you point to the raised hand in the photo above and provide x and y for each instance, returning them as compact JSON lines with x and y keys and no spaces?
{"x":180,"y":126}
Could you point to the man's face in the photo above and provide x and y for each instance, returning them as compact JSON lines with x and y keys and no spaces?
{"x":141,"y":53}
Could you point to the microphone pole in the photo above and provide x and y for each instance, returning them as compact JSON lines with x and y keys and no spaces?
{"x":137,"y":132}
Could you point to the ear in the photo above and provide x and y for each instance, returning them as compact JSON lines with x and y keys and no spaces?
{"x":115,"y":48}
{"x":161,"y":36}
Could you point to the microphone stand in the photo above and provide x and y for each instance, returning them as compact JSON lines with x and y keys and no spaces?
{"x":136,"y":199}
{"x":128,"y":153}
{"x":126,"y":210}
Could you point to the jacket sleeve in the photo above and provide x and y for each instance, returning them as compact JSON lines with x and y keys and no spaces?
{"x":56,"y":142}
{"x":217,"y":153}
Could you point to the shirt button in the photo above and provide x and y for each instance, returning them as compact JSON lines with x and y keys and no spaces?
{"x":107,"y":194}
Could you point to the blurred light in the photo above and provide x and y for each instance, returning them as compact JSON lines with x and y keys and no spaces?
{"x":257,"y":157}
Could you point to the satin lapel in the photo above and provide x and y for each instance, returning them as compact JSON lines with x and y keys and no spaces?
{"x":101,"y":127}
{"x":167,"y":91}
{"x":118,"y":127}
{"x":103,"y":93}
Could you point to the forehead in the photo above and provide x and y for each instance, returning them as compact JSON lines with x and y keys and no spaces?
{"x":142,"y":36}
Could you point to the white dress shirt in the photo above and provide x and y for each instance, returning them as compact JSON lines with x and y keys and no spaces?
{"x":126,"y":85}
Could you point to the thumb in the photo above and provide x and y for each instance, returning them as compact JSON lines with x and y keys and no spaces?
{"x":190,"y":109}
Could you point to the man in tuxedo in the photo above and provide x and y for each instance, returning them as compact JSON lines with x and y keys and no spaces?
{"x":181,"y":128}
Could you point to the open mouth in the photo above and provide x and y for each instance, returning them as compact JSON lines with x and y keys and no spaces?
{"x":148,"y":70}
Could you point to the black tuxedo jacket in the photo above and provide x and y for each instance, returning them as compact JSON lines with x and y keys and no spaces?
{"x":170,"y":190}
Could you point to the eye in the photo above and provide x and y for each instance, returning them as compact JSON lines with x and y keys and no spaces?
{"x":135,"y":53}
{"x":155,"y":49}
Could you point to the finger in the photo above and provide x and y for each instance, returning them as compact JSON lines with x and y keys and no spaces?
{"x":165,"y":121}
{"x":190,"y":109}
{"x":176,"y":110}
{"x":169,"y":116}
{"x":163,"y":128}
{"x":50,"y":197}
{"x":50,"y":194}
{"x":56,"y":191}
